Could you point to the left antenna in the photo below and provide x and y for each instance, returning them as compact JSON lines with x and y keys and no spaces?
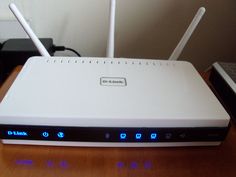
{"x":28,"y":30}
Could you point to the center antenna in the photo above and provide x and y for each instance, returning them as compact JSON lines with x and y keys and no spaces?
{"x":111,"y":35}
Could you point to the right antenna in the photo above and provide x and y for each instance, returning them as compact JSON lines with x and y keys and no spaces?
{"x":179,"y":48}
{"x":111,"y":37}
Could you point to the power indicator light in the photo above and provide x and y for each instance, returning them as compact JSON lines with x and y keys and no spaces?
{"x":138,"y":136}
{"x":45,"y":134}
{"x":60,"y":135}
{"x":123,"y":136}
{"x":153,"y":136}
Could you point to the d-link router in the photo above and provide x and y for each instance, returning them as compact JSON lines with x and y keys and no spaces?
{"x":111,"y":102}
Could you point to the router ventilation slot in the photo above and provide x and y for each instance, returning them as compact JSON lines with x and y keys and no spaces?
{"x":112,"y":62}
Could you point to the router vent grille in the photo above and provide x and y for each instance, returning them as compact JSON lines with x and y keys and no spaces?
{"x":111,"y":62}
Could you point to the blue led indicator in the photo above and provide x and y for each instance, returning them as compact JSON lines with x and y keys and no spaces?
{"x":123,"y":136}
{"x":60,"y":135}
{"x":45,"y":134}
{"x":153,"y":136}
{"x":138,"y":136}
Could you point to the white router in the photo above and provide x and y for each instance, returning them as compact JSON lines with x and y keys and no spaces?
{"x":111,"y":102}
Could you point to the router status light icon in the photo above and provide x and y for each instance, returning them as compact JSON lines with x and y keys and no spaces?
{"x":123,"y":136}
{"x":153,"y":136}
{"x":138,"y":136}
{"x":45,"y":134}
{"x":60,"y":135}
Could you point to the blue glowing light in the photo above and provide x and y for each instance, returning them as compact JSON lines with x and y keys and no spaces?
{"x":64,"y":164}
{"x":45,"y":134}
{"x":60,"y":135}
{"x":24,"y":162}
{"x":153,"y":136}
{"x":134,"y":165}
{"x":10,"y":133}
{"x":138,"y":136}
{"x":120,"y":164}
{"x":148,"y":165}
{"x":123,"y":136}
{"x":49,"y":163}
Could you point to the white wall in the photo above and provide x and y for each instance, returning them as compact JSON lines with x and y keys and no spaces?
{"x":145,"y":28}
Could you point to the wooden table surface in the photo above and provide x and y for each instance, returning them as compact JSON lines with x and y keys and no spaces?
{"x":42,"y":161}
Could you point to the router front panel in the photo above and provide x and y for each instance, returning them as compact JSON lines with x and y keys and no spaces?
{"x":113,"y":134}
{"x":114,"y":96}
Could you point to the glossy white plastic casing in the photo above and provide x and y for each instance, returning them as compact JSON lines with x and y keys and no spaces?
{"x":101,"y":92}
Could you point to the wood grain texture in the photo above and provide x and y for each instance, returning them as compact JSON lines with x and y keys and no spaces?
{"x":42,"y":161}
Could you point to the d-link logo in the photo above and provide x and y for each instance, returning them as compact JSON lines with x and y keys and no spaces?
{"x":17,"y":133}
{"x":113,"y":81}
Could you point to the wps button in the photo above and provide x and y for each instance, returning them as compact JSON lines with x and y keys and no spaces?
{"x":182,"y":135}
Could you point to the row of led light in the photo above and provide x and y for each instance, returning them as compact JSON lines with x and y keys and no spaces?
{"x":123,"y":136}
{"x":138,"y":136}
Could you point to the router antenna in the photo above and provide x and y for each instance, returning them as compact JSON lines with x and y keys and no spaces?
{"x":28,"y":30}
{"x":179,"y":48}
{"x":111,"y":37}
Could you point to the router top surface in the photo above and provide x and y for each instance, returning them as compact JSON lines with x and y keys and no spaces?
{"x":110,"y":92}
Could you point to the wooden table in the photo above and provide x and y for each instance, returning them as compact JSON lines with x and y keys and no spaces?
{"x":41,"y":161}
